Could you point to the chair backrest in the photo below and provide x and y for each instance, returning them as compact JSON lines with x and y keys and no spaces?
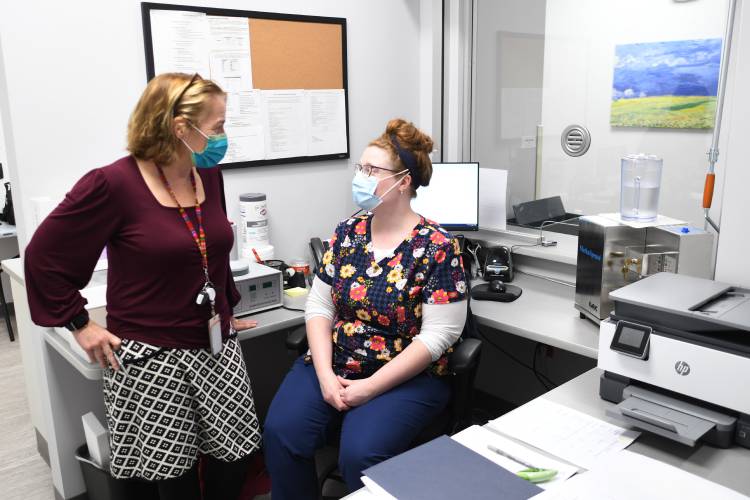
{"x":318,"y":247}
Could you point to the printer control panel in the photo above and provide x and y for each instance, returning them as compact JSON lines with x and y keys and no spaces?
{"x":631,"y":339}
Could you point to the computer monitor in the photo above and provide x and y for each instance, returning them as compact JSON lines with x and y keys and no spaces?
{"x":452,"y":198}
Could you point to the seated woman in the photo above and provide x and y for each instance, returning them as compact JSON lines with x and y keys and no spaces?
{"x":391,"y":292}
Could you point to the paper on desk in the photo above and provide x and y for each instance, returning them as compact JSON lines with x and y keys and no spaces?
{"x":565,"y":433}
{"x":477,"y":438}
{"x":625,"y":475}
{"x":492,"y":192}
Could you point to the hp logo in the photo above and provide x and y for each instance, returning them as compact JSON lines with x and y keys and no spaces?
{"x":682,"y":368}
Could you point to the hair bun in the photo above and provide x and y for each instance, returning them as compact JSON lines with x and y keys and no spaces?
{"x":409,"y":136}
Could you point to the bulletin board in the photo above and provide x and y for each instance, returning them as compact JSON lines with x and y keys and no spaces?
{"x":284,"y":75}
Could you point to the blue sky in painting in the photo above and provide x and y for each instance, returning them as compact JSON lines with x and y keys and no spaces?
{"x":686,"y":67}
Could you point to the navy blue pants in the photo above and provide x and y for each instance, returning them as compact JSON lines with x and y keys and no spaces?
{"x":299,"y":419}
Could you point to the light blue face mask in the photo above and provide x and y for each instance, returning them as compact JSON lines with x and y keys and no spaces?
{"x":363,"y":190}
{"x":216,"y":148}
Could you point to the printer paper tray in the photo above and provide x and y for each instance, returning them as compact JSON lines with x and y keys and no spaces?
{"x":661,"y":419}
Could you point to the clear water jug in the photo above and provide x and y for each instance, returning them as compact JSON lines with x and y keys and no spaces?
{"x":640,"y":182}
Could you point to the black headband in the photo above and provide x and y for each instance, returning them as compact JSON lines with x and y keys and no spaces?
{"x":409,"y":161}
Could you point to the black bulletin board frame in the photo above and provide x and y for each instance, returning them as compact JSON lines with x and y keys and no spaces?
{"x":147,"y":7}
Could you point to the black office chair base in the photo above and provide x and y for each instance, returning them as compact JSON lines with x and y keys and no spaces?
{"x":482,"y":292}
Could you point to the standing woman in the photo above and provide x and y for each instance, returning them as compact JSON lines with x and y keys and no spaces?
{"x":175,"y":382}
{"x":391,"y":294}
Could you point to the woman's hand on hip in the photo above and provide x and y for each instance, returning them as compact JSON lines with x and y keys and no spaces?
{"x":243,"y":324}
{"x":331,"y":390}
{"x":356,"y":392}
{"x":99,"y":344}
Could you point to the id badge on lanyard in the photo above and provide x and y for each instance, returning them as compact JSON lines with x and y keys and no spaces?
{"x":208,"y":292}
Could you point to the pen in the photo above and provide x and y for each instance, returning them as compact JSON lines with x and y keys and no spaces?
{"x":508,"y":455}
{"x":257,"y":257}
{"x":530,"y":473}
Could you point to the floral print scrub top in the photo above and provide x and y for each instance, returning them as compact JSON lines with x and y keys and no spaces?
{"x":379,"y":304}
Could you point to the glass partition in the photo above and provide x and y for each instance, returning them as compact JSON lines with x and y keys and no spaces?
{"x":638,"y":76}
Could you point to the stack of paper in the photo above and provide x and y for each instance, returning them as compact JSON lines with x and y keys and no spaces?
{"x":479,"y":439}
{"x":563,"y":432}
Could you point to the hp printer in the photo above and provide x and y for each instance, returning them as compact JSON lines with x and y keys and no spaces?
{"x":676,"y":359}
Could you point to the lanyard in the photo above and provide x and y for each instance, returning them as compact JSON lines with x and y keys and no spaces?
{"x":199,"y":237}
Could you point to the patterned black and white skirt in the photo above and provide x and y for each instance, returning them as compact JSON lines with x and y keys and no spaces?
{"x":169,"y":405}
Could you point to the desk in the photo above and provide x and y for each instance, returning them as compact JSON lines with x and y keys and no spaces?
{"x":727,"y":467}
{"x":543,"y":313}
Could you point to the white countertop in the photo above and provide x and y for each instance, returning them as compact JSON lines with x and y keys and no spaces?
{"x":544,"y":313}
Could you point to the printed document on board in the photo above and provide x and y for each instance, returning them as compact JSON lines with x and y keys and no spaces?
{"x":229,"y":53}
{"x":180,"y":42}
{"x":244,"y":127}
{"x":327,"y":130}
{"x":285,"y":125}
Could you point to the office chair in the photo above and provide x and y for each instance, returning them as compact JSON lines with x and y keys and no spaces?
{"x":462,"y":364}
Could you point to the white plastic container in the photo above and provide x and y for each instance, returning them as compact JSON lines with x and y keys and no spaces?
{"x":253,"y":220}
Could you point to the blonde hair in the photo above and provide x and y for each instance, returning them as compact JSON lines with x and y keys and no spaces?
{"x":167,"y":96}
{"x":412,"y":139}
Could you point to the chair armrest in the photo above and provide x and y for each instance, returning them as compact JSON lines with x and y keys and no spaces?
{"x":465,"y":356}
{"x":296,"y":340}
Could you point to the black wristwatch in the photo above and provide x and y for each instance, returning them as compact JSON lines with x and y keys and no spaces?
{"x":79,"y":321}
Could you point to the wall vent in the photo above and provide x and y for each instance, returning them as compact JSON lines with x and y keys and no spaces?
{"x":575,"y":140}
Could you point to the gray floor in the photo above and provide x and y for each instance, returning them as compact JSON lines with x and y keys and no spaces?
{"x":23,"y":473}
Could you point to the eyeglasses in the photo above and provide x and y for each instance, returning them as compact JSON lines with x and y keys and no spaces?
{"x":367,"y":169}
{"x":179,"y":97}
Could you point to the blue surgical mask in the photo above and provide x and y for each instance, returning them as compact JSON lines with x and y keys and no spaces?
{"x":363,"y":190}
{"x":216,"y":148}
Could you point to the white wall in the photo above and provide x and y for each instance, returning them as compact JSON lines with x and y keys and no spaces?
{"x":75,"y":70}
{"x":734,"y":240}
{"x":430,"y":69}
{"x":578,"y":64}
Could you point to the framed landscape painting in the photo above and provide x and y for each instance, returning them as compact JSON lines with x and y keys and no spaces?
{"x":666,"y":84}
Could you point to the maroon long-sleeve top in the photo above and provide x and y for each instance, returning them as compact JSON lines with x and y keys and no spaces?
{"x":155,"y":270}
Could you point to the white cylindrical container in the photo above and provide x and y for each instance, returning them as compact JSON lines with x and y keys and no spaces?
{"x":253,"y":220}
{"x":265,"y":252}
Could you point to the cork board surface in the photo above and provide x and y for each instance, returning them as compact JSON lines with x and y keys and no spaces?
{"x":295,"y":55}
